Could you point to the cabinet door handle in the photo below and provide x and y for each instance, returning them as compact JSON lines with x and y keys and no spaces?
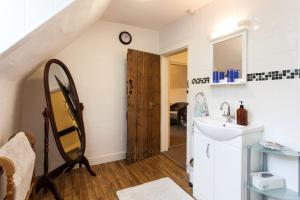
{"x":207,"y":151}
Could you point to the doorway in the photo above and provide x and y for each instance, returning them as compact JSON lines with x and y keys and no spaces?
{"x":177,"y":106}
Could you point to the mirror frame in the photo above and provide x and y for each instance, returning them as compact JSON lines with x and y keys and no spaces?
{"x":50,"y":109}
{"x":239,"y":33}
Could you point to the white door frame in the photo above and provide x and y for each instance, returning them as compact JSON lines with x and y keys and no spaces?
{"x":165,"y":116}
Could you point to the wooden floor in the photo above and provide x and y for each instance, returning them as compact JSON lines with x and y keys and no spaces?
{"x":177,"y":149}
{"x":177,"y":135}
{"x":114,"y":176}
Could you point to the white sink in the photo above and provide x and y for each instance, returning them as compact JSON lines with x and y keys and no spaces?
{"x":223,"y":131}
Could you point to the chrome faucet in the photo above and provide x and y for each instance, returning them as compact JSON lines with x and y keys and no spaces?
{"x":227,"y":114}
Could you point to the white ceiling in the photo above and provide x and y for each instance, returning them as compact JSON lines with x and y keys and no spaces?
{"x":152,"y":14}
{"x":63,"y":28}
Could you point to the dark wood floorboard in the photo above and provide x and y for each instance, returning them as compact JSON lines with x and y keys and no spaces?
{"x":177,"y":135}
{"x":177,"y":149}
{"x":114,"y":176}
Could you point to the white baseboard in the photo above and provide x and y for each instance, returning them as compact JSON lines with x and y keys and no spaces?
{"x":107,"y":158}
{"x":93,"y":161}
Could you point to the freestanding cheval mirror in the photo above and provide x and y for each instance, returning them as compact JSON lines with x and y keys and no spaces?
{"x":65,"y":113}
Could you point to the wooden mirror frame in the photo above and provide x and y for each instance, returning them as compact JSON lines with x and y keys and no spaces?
{"x":46,"y":180}
{"x":79,"y":107}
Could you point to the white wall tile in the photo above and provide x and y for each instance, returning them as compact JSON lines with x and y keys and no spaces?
{"x":274,"y":46}
{"x":298,"y":33}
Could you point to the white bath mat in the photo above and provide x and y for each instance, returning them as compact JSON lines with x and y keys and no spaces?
{"x":161,"y":189}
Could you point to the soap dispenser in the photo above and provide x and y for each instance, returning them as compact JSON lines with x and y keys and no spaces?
{"x":242,"y":115}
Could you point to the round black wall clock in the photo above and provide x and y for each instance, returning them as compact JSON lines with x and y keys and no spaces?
{"x":125,"y":38}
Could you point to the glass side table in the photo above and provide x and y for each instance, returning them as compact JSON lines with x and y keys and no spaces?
{"x":282,"y":193}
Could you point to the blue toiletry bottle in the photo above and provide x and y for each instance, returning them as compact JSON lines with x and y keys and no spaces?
{"x":236,"y":74}
{"x":230,"y":75}
{"x":215,"y":77}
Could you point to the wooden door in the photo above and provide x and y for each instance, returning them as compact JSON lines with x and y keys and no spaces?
{"x":143,"y":117}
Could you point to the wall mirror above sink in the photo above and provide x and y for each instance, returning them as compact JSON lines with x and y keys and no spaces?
{"x":229,"y":59}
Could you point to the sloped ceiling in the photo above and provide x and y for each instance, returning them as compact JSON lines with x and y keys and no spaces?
{"x":60,"y":30}
{"x":51,"y":37}
{"x":152,"y":14}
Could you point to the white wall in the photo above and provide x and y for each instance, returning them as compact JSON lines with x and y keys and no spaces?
{"x":177,"y":95}
{"x":274,"y":46}
{"x":10,"y":118}
{"x":97,"y":61}
{"x":177,"y":77}
{"x":10,"y":103}
{"x":17,"y":19}
{"x":177,"y":83}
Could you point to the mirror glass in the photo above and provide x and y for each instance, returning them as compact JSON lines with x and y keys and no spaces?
{"x":65,"y":111}
{"x":228,"y":54}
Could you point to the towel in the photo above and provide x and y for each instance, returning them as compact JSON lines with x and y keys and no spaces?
{"x":199,"y":110}
{"x":19,"y":151}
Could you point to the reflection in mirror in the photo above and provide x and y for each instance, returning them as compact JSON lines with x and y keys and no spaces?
{"x":228,"y":54}
{"x":64,"y":111}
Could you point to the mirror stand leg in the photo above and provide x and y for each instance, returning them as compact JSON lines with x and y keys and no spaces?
{"x":70,"y":168}
{"x":86,"y":163}
{"x":56,"y":172}
{"x":46,"y":183}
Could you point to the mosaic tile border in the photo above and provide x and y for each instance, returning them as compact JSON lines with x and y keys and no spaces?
{"x":204,"y":80}
{"x":274,"y":75}
{"x":261,"y":76}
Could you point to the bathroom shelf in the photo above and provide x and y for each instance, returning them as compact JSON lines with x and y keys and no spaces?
{"x":226,"y":83}
{"x":282,"y":193}
{"x":284,"y":152}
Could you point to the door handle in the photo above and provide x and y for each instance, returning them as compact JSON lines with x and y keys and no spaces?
{"x":130,"y":87}
{"x":207,"y":151}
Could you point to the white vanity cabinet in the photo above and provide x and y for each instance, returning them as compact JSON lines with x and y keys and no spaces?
{"x":220,"y":166}
{"x":228,"y":171}
{"x":203,"y":164}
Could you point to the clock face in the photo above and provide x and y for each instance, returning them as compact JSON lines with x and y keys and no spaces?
{"x":125,"y":37}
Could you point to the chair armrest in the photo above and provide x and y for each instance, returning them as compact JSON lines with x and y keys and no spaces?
{"x":31,"y":140}
{"x":7,"y":166}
